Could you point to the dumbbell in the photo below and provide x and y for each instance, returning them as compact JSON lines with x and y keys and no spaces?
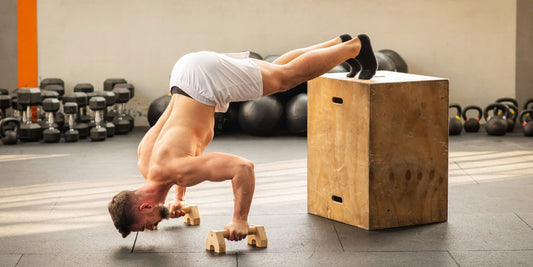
{"x":60,"y":90}
{"x":110,"y":112}
{"x":256,"y":236}
{"x":110,"y":101}
{"x":5,"y":103}
{"x":45,"y":94}
{"x":83,"y":115}
{"x":123,"y":122}
{"x":52,"y":81}
{"x":51,"y":134}
{"x":88,"y":89}
{"x":128,"y":86}
{"x":17,"y":109}
{"x":83,"y":107}
{"x":110,"y":83}
{"x":55,"y":88}
{"x":70,"y":109}
{"x":98,"y":105}
{"x":131,"y":88}
{"x":84,"y":88}
{"x":81,"y":100}
{"x":28,"y":98}
{"x":48,"y":94}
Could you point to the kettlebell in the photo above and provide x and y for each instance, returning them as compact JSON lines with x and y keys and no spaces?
{"x":472,"y":123}
{"x":497,"y":123}
{"x":511,"y":119}
{"x":527,"y":122}
{"x":455,"y":126}
{"x":512,"y":105}
{"x":526,"y":106}
{"x":9,"y":135}
{"x":505,"y":100}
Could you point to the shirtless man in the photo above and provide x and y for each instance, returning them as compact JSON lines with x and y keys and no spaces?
{"x":172,"y":151}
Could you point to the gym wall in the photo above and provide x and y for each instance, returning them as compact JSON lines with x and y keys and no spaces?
{"x":472,"y":42}
{"x":8,"y":44}
{"x":524,"y":51}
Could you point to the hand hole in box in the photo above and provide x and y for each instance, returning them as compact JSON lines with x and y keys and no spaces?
{"x":336,"y":199}
{"x":337,"y":100}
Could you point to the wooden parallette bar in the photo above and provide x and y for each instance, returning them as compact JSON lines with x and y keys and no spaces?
{"x":378,"y":149}
{"x":192,"y":216}
{"x":256,"y":237}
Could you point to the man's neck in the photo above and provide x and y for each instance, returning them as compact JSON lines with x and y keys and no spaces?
{"x":153,"y":192}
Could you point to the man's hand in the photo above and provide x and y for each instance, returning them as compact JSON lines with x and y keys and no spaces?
{"x":175,"y":208}
{"x":237,"y":230}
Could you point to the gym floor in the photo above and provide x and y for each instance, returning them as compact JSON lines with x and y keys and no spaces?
{"x":53,"y":209}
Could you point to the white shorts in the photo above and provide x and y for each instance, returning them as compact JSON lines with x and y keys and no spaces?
{"x":217,"y":79}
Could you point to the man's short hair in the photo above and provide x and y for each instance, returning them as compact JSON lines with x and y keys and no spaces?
{"x":120,"y":210}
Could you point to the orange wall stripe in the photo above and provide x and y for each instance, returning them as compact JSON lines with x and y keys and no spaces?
{"x":27,"y":43}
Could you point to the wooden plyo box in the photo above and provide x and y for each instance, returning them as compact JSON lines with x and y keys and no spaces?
{"x":378,"y":149}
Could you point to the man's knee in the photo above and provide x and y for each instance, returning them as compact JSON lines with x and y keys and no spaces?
{"x":276,"y":78}
{"x":289,"y":78}
{"x":283,"y":83}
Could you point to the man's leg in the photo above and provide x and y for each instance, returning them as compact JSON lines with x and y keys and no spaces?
{"x":289,"y":56}
{"x":308,"y":65}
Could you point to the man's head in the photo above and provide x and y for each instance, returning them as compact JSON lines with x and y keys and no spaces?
{"x":132,"y":213}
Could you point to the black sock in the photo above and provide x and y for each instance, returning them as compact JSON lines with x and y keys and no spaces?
{"x":345,"y":37}
{"x":355,"y":67}
{"x":366,"y":58}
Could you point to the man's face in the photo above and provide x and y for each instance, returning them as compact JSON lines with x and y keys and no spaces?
{"x":150,"y":218}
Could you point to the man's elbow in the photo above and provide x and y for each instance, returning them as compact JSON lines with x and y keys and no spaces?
{"x":246,"y":168}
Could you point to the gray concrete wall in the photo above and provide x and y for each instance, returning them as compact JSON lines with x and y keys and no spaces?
{"x":471,"y":42}
{"x":524,"y":51}
{"x":8,"y":44}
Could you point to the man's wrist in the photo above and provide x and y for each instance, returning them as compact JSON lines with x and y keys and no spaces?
{"x":240,"y":219}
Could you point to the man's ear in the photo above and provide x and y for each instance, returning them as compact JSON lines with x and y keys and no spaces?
{"x":145,"y":205}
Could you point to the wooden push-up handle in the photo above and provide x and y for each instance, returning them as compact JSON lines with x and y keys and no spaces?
{"x":192,"y":216}
{"x":256,"y":236}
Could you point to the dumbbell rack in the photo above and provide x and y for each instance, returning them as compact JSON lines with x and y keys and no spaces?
{"x":39,"y":111}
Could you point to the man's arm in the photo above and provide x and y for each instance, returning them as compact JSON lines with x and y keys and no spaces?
{"x":178,"y":203}
{"x":217,"y":167}
{"x":180,"y":192}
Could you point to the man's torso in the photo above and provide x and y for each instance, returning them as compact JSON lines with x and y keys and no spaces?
{"x":183,"y":130}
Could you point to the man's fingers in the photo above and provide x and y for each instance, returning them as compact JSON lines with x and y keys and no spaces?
{"x":235,"y":237}
{"x":175,"y":210}
{"x":177,"y":213}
